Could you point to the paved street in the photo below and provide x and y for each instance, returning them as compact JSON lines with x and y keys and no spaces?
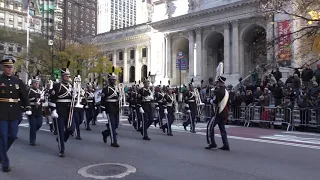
{"x":256,"y":154}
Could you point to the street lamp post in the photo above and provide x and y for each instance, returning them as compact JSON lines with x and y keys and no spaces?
{"x":50,"y":43}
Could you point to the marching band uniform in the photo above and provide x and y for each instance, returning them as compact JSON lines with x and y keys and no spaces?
{"x":13,"y":94}
{"x":144,"y":104}
{"x":36,"y":118}
{"x":90,"y":107}
{"x":47,"y":109}
{"x":132,"y":99}
{"x":221,"y":114}
{"x":110,"y":100}
{"x":78,"y":114}
{"x":169,"y":112}
{"x":160,"y":106}
{"x":61,"y":95}
{"x":191,"y":107}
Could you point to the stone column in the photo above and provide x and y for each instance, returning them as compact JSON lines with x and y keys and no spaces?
{"x":226,"y":35}
{"x":114,"y":58}
{"x":198,"y":59}
{"x":191,"y":54}
{"x":168,"y":72}
{"x":241,"y":58}
{"x":137,"y":64}
{"x":125,"y":66}
{"x":149,"y":56}
{"x":235,"y":47}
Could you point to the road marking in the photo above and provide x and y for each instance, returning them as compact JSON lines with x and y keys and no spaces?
{"x":301,"y":133}
{"x":292,"y":138}
{"x":130,"y":169}
{"x":181,"y":130}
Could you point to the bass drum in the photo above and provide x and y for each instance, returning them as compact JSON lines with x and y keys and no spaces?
{"x":97,"y":95}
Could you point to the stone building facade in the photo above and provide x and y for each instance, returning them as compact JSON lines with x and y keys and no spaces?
{"x":205,"y":32}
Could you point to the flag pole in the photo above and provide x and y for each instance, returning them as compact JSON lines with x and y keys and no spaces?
{"x":28,"y":41}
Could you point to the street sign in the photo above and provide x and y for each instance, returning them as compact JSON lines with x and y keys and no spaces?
{"x":183,"y":64}
{"x":180,"y":55}
{"x":57,"y":73}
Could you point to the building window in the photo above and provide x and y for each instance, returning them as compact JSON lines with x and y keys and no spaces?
{"x":11,"y":19}
{"x":2,"y":3}
{"x":132,"y":54}
{"x":19,"y":49}
{"x":2,"y":16}
{"x":11,"y":6}
{"x":32,"y":5}
{"x":32,"y":12}
{"x":120,"y":56}
{"x":1,"y":47}
{"x":144,"y":52}
{"x":20,"y":21}
{"x":10,"y":49}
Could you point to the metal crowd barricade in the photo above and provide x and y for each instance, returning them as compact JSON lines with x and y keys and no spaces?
{"x":305,"y":117}
{"x":239,"y":113}
{"x":271,"y":115}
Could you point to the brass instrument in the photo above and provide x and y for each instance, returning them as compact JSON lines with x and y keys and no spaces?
{"x":76,"y":89}
{"x":198,"y":101}
{"x":175,"y":103}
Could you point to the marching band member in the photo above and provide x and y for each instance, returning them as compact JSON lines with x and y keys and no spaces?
{"x":78,"y":112}
{"x":169,"y":111}
{"x":47,"y":110}
{"x":138,"y":114}
{"x":110,"y":100}
{"x":220,"y":99}
{"x":61,"y":95}
{"x":191,"y":107}
{"x":35,"y":119}
{"x":90,"y":107}
{"x":144,"y":103}
{"x":160,"y":105}
{"x":12,"y":89}
{"x":132,"y":99}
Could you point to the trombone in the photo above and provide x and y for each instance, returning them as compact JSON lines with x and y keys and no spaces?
{"x":198,"y":101}
{"x":75,"y":103}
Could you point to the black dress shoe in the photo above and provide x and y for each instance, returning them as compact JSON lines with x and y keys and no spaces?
{"x":169,"y":134}
{"x":115,"y":145}
{"x":6,"y":169}
{"x":32,"y":143}
{"x":88,"y":129}
{"x":104,"y":137}
{"x":55,"y":133}
{"x":211,"y":146}
{"x":225,"y":148}
{"x":185,"y":127}
{"x":146,"y":138}
{"x":78,"y":138}
{"x":61,"y":155}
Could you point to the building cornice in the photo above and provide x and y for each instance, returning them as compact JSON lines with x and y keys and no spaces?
{"x":190,"y":16}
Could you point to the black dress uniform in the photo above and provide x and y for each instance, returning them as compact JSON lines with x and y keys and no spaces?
{"x":13,"y":94}
{"x":169,"y":112}
{"x":160,"y":106}
{"x":61,"y":96}
{"x":36,"y":118}
{"x":144,"y":100}
{"x":132,"y":99}
{"x":78,"y":113}
{"x":191,"y":107}
{"x":90,"y":106}
{"x":110,"y":100}
{"x":47,"y":109}
{"x":220,"y":99}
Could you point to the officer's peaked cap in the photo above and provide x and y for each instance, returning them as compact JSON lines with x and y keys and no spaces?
{"x":8,"y":61}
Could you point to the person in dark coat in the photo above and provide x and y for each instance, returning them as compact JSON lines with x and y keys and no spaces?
{"x":306,"y":77}
{"x":221,"y":114}
{"x":277,"y":74}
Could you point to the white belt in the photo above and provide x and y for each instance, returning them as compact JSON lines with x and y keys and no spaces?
{"x":146,"y":101}
{"x":33,"y":103}
{"x":112,"y":100}
{"x":90,"y":101}
{"x":191,"y":100}
{"x":64,"y":100}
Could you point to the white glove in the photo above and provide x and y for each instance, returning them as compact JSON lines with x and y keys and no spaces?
{"x":54,"y":114}
{"x":157,"y":108}
{"x":42,"y":97}
{"x":95,"y":108}
{"x":211,"y":101}
{"x":150,"y":98}
{"x":38,"y":103}
{"x":188,"y":111}
{"x":28,"y":113}
{"x":45,"y":104}
{"x":165,"y":111}
{"x":104,"y":115}
{"x":141,"y":110}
